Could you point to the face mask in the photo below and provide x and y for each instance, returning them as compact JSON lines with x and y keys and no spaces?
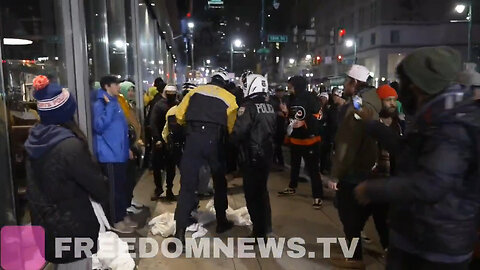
{"x":171,"y":98}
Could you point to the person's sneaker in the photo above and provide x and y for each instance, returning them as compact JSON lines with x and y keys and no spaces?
{"x":156,"y":196}
{"x":224,"y":226}
{"x":170,"y":196}
{"x":317,"y":203}
{"x":121,"y":227}
{"x":130,"y":222}
{"x":287,"y":192}
{"x":347,"y":263}
{"x":133,"y":210}
{"x":137,"y":204}
{"x":365,"y":238}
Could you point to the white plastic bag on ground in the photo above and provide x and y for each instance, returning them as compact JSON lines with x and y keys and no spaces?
{"x":239,"y":217}
{"x":163,"y":224}
{"x":112,"y":252}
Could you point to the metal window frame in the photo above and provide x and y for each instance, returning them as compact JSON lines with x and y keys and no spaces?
{"x":8,"y":213}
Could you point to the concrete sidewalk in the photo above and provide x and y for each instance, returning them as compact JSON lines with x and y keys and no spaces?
{"x":291,"y":216}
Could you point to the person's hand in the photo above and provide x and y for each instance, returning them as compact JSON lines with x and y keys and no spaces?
{"x":332,"y":185}
{"x":298,"y":123}
{"x":361,"y":194}
{"x":107,"y":100}
{"x":131,"y":156}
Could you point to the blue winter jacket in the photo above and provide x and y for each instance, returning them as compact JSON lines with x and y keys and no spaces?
{"x":110,"y":130}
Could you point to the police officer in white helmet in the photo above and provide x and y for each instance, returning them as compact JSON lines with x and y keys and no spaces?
{"x":253,"y":132}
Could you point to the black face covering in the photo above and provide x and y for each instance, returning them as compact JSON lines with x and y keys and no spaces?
{"x":171,"y":99}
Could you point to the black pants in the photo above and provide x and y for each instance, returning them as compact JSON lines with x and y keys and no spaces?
{"x":400,"y":260}
{"x":354,"y":216}
{"x":203,"y":147}
{"x":278,"y":143}
{"x":131,"y":179}
{"x":311,"y":155}
{"x":257,"y":199}
{"x":117,"y":179}
{"x":325,"y":153}
{"x":163,"y":160}
{"x":232,"y":153}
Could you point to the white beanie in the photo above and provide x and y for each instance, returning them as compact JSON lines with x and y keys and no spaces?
{"x":324,"y":94}
{"x":170,"y":88}
{"x":359,"y":73}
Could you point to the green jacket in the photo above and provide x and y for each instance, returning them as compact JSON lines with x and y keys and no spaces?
{"x":355,"y":151}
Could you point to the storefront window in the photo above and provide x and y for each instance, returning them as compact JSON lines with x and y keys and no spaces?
{"x":33,"y":43}
{"x":147,"y":37}
{"x":117,"y":37}
{"x":97,"y":39}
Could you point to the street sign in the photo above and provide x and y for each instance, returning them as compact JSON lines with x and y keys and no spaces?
{"x":278,"y":38}
{"x":215,"y":2}
{"x":263,"y":51}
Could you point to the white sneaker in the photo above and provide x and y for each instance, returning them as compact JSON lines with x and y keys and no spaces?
{"x":137,"y":204}
{"x":133,"y":210}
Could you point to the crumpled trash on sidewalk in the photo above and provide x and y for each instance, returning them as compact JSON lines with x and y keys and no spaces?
{"x":112,"y":252}
{"x":240,"y":216}
{"x":163,"y":224}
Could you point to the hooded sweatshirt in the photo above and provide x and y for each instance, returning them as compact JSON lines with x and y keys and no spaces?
{"x":61,"y":179}
{"x":43,"y":138}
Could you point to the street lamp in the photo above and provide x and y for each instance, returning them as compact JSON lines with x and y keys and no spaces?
{"x":208,"y":61}
{"x":460,"y":8}
{"x":352,"y":43}
{"x":191,"y":25}
{"x":237,"y":43}
{"x":291,"y":61}
{"x":308,"y":57}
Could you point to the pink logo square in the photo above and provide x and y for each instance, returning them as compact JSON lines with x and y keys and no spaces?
{"x":22,"y":247}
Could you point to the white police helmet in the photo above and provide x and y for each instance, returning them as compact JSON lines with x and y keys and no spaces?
{"x":255,"y":84}
{"x":221,"y":74}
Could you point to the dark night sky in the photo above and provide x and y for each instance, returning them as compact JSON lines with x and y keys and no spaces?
{"x":243,"y":19}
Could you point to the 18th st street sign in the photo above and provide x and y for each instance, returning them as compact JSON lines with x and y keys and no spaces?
{"x":278,"y":38}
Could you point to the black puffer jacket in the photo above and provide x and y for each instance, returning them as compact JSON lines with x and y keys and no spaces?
{"x":435,"y":195}
{"x":254,"y":130}
{"x":61,"y":178}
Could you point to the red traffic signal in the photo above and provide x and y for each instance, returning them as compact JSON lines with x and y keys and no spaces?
{"x":341,"y":32}
{"x":339,"y":58}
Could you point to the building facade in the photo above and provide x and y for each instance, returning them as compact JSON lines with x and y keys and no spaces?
{"x":382,"y":32}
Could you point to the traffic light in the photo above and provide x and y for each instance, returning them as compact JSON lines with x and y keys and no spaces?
{"x":341,"y":35}
{"x":317,"y":60}
{"x":339,"y":58}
